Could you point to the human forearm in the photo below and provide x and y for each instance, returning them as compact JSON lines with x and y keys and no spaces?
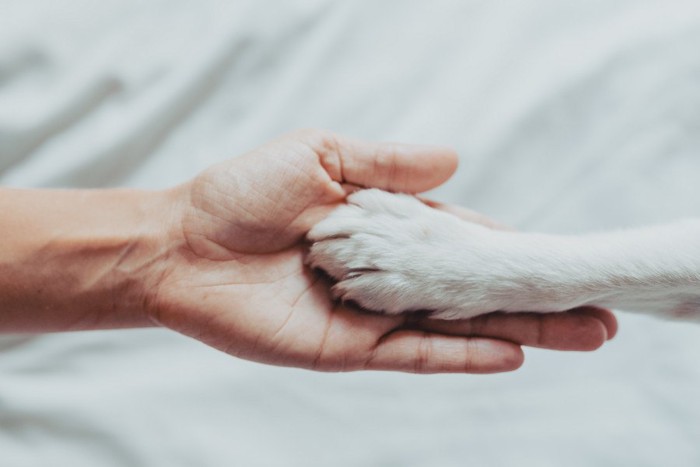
{"x":79,"y":259}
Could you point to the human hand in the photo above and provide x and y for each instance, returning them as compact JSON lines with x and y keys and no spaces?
{"x":234,"y":275}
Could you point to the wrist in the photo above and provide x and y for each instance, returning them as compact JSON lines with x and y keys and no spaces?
{"x":147,"y":243}
{"x":81,"y":259}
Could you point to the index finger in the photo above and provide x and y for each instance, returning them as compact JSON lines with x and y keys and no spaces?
{"x":466,"y":214}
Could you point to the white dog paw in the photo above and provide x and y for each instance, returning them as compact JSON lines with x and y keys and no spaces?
{"x":392,"y":253}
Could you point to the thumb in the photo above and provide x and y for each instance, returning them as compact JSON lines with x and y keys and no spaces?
{"x":409,"y":168}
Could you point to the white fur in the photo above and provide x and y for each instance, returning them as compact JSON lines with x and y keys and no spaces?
{"x":391,"y":253}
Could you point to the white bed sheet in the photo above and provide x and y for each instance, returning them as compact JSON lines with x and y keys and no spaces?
{"x":569,"y":116}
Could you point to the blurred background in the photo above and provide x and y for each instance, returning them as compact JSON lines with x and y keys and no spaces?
{"x":569,"y":116}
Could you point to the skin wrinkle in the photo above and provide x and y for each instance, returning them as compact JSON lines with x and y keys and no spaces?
{"x":241,"y":281}
{"x":287,"y":319}
{"x":207,"y":201}
{"x":539,"y":333}
{"x":341,"y":163}
{"x":154,"y":307}
{"x":292,"y":309}
{"x":219,"y":247}
{"x":473,"y":354}
{"x":423,"y":352}
{"x":316,"y":362}
{"x":127,"y":251}
{"x":340,"y":158}
{"x":328,"y":149}
{"x":272,"y":201}
{"x":368,"y":362}
{"x":128,"y":248}
{"x":476,"y":326}
{"x":305,"y":291}
{"x":183,"y":228}
{"x":292,"y":168}
{"x":382,"y":162}
{"x":381,"y":341}
{"x":274,"y":342}
{"x":103,"y":279}
{"x":392,"y":164}
{"x":150,"y":304}
{"x":226,"y":220}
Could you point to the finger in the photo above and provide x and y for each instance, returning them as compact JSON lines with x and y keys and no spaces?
{"x":604,"y":315}
{"x":391,"y":166}
{"x":420,"y":352}
{"x":466,"y":214}
{"x":573,"y":330}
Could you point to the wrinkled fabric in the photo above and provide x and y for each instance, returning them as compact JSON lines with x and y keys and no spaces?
{"x":568,"y":117}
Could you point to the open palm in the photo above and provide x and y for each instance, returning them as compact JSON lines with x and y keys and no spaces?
{"x":235,"y":277}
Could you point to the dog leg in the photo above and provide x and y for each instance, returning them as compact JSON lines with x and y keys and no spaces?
{"x":391,"y":253}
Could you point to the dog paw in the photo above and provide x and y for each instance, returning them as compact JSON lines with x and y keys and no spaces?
{"x":391,"y":253}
